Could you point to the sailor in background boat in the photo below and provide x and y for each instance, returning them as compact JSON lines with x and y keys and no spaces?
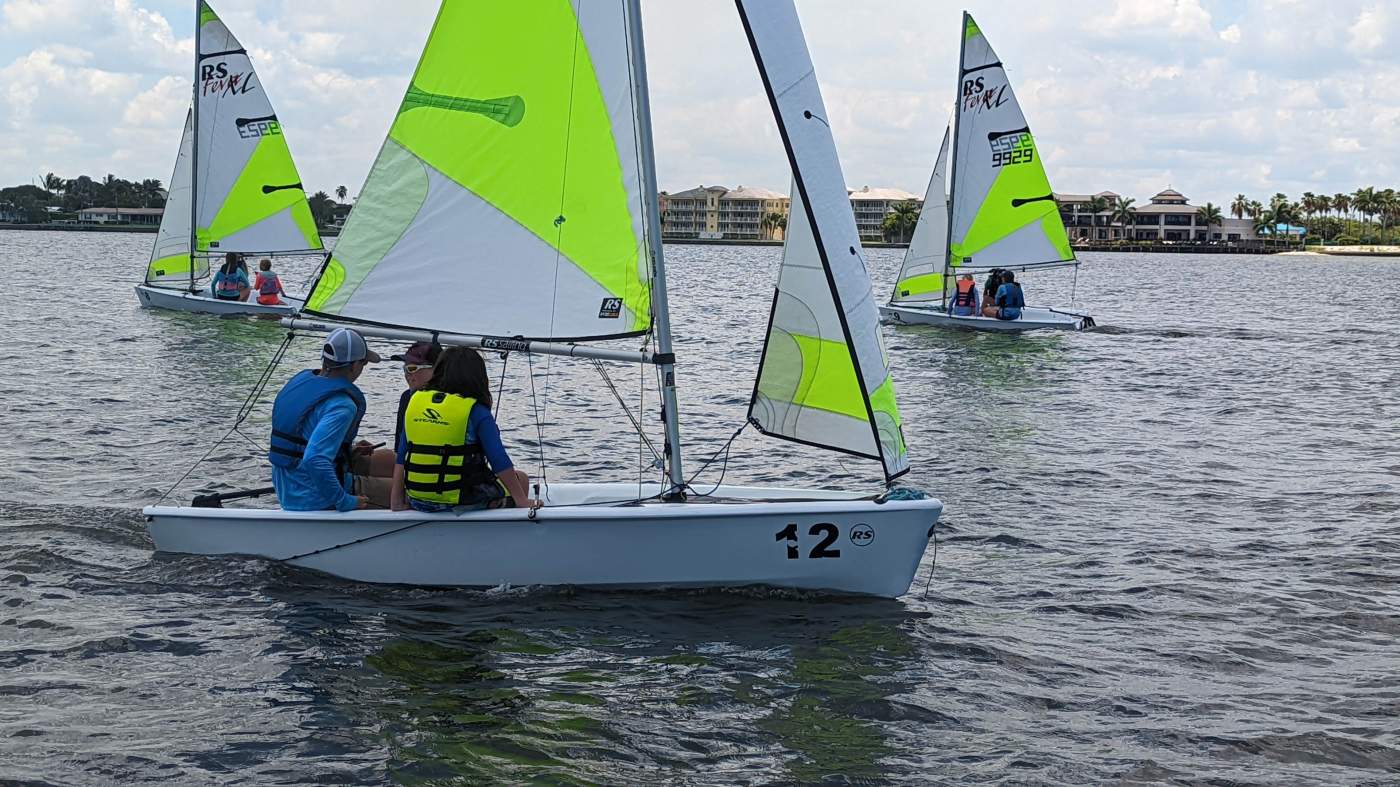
{"x":450,"y":454}
{"x":374,"y":466}
{"x":989,"y":293}
{"x":231,"y":282}
{"x":1010,"y":299}
{"x":964,"y":303}
{"x":314,"y":422}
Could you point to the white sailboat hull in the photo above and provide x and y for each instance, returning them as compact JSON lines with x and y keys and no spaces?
{"x":185,"y":301}
{"x":1033,"y":318}
{"x":741,"y":536}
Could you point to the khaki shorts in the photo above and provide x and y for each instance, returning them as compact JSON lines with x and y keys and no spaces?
{"x":374,"y":487}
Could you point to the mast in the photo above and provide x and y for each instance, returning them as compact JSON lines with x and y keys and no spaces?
{"x":661,"y":314}
{"x":953,"y":159}
{"x":194,"y":142}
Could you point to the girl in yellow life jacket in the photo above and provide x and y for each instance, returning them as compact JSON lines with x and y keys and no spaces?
{"x":450,"y":454}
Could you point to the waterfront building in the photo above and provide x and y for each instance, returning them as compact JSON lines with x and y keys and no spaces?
{"x":871,"y":205}
{"x":692,"y":214}
{"x":746,"y":214}
{"x":1168,"y":216}
{"x":142,"y":216}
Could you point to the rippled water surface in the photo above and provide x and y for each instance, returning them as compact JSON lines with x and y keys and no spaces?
{"x":1169,"y":555}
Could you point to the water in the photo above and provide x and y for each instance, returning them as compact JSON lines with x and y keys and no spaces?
{"x":1169,"y":556}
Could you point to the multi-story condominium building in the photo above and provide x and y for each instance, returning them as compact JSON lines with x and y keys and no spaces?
{"x":749,"y":214}
{"x":1167,"y":217}
{"x":872,"y":205}
{"x":691,"y":214}
{"x":745,"y":213}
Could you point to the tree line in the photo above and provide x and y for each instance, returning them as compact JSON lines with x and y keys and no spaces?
{"x":57,"y":197}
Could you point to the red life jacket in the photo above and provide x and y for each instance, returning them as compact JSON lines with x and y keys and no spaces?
{"x":966,"y":295}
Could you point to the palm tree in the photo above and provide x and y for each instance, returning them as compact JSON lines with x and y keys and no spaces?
{"x":1240,"y":206}
{"x":321,"y":208}
{"x":1209,"y":214}
{"x":1123,"y":212}
{"x":340,"y":192}
{"x":773,"y":221}
{"x":1255,"y":209}
{"x":53,"y":184}
{"x":1264,"y":223}
{"x":902,"y":218}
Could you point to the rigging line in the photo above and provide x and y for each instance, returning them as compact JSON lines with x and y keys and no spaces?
{"x":724,"y":468}
{"x":597,"y":364}
{"x":933,"y":564}
{"x":539,"y":429}
{"x":356,"y":541}
{"x":501,"y":386}
{"x":560,"y":218}
{"x":243,"y":411}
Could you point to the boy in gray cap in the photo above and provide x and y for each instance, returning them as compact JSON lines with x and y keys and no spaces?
{"x":314,"y":422}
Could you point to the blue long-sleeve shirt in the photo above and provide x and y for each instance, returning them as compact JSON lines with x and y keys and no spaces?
{"x":313,"y":484}
{"x":482,"y":430}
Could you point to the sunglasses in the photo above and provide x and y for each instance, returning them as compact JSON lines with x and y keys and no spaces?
{"x":410,"y":368}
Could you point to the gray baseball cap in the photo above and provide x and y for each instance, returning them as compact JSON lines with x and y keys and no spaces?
{"x":344,"y":346}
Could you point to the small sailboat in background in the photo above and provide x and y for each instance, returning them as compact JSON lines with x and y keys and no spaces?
{"x":999,"y":215}
{"x":235,"y":187}
{"x":512,"y":209}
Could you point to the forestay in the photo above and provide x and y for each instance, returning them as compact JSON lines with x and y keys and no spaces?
{"x":1003,"y":211}
{"x":507,"y":199}
{"x":249,"y":196}
{"x":824,"y":378}
{"x":921,"y":275}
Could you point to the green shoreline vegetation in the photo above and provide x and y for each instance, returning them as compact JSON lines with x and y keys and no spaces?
{"x":57,"y":200}
{"x":1368,"y":216}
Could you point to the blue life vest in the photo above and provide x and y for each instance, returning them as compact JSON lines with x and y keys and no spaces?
{"x":1010,"y":299}
{"x":226,"y":285}
{"x":294,"y":403}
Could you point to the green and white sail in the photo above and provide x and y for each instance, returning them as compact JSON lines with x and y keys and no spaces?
{"x":507,"y":199}
{"x":825,"y":376}
{"x":248,"y":197}
{"x":170,"y":256}
{"x":1004,"y":214}
{"x":921,"y":274}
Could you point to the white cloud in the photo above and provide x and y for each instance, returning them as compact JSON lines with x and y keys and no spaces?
{"x":1255,"y":96}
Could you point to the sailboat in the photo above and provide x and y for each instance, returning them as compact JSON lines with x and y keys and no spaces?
{"x":235,"y":187}
{"x":518,"y":178}
{"x":999,"y":213}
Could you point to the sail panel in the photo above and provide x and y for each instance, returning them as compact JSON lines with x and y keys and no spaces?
{"x":1001,"y":189}
{"x":824,"y":378}
{"x":246,"y":176}
{"x":170,"y":254}
{"x":921,"y":275}
{"x":516,"y":146}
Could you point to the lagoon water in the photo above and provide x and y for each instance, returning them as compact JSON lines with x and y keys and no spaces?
{"x":1169,"y":555}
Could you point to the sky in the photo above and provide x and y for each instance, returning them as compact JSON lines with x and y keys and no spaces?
{"x":1131,"y":96}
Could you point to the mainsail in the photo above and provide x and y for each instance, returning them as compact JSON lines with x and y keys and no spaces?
{"x":248,"y":195}
{"x":824,"y":379}
{"x":507,"y":199}
{"x":1004,"y":214}
{"x":921,"y":275}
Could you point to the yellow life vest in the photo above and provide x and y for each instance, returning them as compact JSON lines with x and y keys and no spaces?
{"x":441,"y":466}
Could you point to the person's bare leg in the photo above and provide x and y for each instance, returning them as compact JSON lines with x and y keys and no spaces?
{"x":381,"y":463}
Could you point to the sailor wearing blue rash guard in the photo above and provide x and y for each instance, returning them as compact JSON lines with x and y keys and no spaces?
{"x":1009,"y":298}
{"x":314,"y":422}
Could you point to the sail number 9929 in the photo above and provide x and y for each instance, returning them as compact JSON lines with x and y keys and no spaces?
{"x":825,"y":531}
{"x":1012,"y":149}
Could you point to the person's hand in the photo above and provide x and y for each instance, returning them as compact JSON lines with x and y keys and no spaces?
{"x":362,"y":502}
{"x":363,"y":448}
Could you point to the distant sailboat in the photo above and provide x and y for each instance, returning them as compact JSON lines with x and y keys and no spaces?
{"x":1000,"y":212}
{"x":512,"y":208}
{"x":235,"y":187}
